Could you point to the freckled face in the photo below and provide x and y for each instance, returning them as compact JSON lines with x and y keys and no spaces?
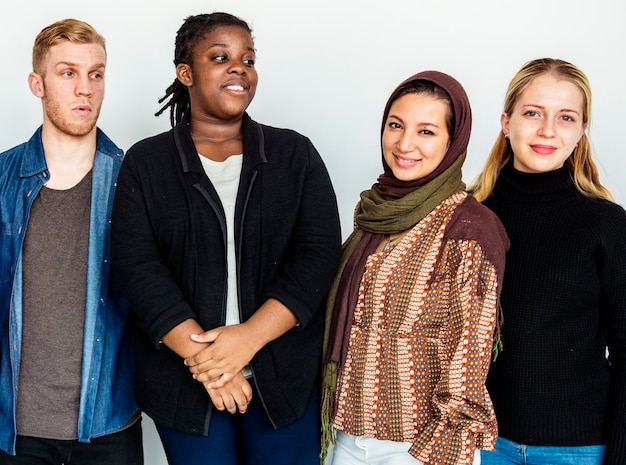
{"x":545,"y":124}
{"x":222,"y":79}
{"x":415,"y":138}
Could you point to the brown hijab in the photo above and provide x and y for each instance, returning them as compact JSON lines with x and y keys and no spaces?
{"x":392,"y":206}
{"x":388,"y":185}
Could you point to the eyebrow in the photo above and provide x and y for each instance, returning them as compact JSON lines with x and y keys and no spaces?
{"x":76,"y":65}
{"x":542,"y":108}
{"x":252,"y":49}
{"x":419,"y":124}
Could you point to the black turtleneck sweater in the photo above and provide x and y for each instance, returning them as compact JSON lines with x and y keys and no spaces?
{"x":564,"y":304}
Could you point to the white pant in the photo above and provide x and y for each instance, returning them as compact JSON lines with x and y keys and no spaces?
{"x":352,"y":450}
{"x":361,"y":450}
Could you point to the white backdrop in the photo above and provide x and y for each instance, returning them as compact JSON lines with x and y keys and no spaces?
{"x":326,"y":68}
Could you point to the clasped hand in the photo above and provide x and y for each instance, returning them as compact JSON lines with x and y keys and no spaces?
{"x":234,"y":396}
{"x":218,"y":366}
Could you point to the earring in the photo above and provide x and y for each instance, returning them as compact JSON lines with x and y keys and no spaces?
{"x":506,"y":135}
{"x":576,"y":146}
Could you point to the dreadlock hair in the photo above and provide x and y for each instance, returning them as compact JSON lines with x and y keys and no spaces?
{"x":192,"y":31}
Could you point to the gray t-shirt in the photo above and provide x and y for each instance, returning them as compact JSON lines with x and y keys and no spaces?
{"x":54,"y":263}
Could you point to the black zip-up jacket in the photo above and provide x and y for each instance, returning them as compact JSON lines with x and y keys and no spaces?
{"x":169,"y":253}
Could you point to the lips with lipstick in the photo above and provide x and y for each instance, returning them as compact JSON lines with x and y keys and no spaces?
{"x":543,"y":149}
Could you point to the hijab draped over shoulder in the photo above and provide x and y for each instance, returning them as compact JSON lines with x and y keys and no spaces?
{"x":390,"y":206}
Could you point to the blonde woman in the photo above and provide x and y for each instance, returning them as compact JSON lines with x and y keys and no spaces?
{"x":558,"y":398}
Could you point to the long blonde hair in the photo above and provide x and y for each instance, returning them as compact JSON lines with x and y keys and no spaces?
{"x":581,"y":162}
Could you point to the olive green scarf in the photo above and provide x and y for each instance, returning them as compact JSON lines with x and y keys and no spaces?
{"x":375,"y":217}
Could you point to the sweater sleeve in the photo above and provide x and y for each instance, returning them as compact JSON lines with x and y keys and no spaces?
{"x":154,"y":295}
{"x":614,"y":313}
{"x":463,"y":417}
{"x":308,"y":268}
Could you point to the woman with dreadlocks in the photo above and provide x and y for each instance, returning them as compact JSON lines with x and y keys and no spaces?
{"x":226,"y":238}
{"x":413,"y":309}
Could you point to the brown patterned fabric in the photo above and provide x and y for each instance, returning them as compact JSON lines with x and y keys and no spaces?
{"x":420,"y":345}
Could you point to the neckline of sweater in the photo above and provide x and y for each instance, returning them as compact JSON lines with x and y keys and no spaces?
{"x":535,"y":187}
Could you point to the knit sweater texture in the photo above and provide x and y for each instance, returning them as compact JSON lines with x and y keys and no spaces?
{"x":564,"y":305}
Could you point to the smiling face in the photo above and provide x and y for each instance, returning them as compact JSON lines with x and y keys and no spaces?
{"x":545,"y":124}
{"x":415,"y":138}
{"x":71,"y":87}
{"x":222,"y":79}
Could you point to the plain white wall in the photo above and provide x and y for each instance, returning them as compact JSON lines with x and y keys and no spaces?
{"x":326,"y":68}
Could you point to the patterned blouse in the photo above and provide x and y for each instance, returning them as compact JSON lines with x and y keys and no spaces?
{"x":420,"y":345}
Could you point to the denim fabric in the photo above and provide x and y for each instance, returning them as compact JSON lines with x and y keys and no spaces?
{"x":106,"y":399}
{"x":248,"y":439}
{"x":121,"y":448}
{"x":512,"y":453}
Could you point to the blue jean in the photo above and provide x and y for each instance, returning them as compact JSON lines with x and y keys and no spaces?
{"x":122,"y":448}
{"x":247,"y":439}
{"x":512,"y":453}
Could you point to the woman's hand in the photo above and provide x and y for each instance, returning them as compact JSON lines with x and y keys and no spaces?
{"x":230,"y":349}
{"x":234,"y":396}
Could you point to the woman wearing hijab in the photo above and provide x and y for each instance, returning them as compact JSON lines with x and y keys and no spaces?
{"x":412,"y":311}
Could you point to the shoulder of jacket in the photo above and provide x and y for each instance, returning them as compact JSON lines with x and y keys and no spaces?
{"x":157,"y":142}
{"x":105,"y":145}
{"x":285,"y":135}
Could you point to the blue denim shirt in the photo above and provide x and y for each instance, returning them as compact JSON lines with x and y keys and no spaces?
{"x":106,"y":395}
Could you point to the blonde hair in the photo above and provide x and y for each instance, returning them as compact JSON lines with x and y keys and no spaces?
{"x":70,"y":29}
{"x":585,"y":172}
